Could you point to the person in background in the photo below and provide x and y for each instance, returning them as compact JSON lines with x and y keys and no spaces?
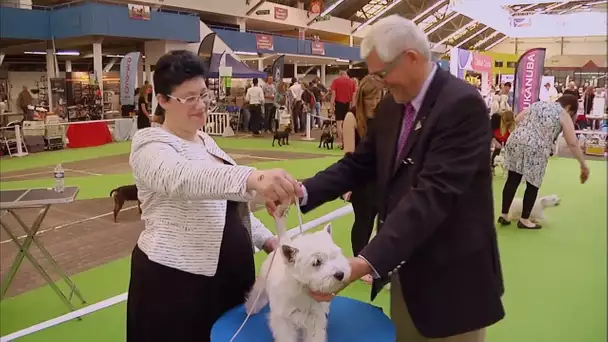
{"x":297,"y":110}
{"x":255,"y":100}
{"x":502,"y":124}
{"x":342,"y":91}
{"x":528,"y":150}
{"x":199,"y":233}
{"x":319,"y":93}
{"x":143,"y":107}
{"x":150,"y":93}
{"x":270,"y":106}
{"x":548,"y":93}
{"x":159,"y":116}
{"x":356,"y":82}
{"x":588,"y":98}
{"x":25,"y":99}
{"x":506,"y":91}
{"x":356,"y":125}
{"x":572,"y":90}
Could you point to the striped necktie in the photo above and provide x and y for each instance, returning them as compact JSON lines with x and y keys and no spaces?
{"x":409,"y":114}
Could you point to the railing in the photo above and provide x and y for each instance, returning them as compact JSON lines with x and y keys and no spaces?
{"x":276,"y":34}
{"x":81,"y":2}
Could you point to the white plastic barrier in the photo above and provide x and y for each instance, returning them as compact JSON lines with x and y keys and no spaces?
{"x":217,"y":123}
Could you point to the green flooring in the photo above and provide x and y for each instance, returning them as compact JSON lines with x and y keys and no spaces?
{"x":555,"y":278}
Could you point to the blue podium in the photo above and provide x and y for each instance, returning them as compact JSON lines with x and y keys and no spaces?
{"x":349,"y":321}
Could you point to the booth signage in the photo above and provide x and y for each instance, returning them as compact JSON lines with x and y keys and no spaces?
{"x":139,"y":12}
{"x":318,"y":48}
{"x":264,"y":42}
{"x":528,"y":76}
{"x":128,"y":75}
{"x":481,"y":63}
{"x":262,"y":12}
{"x":280,"y":13}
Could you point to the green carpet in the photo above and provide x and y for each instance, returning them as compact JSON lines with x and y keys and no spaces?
{"x":555,"y":278}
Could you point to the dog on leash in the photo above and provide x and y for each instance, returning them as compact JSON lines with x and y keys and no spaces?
{"x":499,"y":162}
{"x":123,"y":194}
{"x":282,"y":137}
{"x":329,"y":134}
{"x":538,"y":211}
{"x":309,"y":262}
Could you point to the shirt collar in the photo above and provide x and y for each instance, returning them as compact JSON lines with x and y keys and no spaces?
{"x":417,"y":101}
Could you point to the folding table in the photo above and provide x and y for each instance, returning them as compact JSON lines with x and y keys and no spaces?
{"x":13,"y":200}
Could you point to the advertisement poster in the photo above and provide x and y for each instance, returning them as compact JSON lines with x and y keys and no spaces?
{"x":280,"y":13}
{"x":205,"y":49}
{"x":264,"y":42}
{"x":528,"y":78}
{"x":139,"y":12}
{"x":473,"y":67}
{"x":128,"y":75}
{"x":318,"y":48}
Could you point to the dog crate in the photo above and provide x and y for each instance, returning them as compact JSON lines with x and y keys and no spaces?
{"x":33,"y":128}
{"x":284,"y":117}
{"x":54,"y":134}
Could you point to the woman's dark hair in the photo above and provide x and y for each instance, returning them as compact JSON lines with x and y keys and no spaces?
{"x":175,"y":68}
{"x":255,"y":81}
{"x":570,"y":101}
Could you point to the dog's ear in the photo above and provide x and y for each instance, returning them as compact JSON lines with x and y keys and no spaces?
{"x":328,"y":229}
{"x":289,"y":253}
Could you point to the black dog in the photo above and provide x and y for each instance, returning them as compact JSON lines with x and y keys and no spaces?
{"x":329,"y":134}
{"x":282,"y":136}
{"x":122,"y":194}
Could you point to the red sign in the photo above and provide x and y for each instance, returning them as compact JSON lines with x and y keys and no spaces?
{"x":280,"y":13}
{"x":481,"y":63}
{"x":315,"y":6}
{"x":318,"y":48}
{"x":264,"y":42}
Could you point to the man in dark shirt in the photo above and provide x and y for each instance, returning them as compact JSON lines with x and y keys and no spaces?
{"x":318,"y":93}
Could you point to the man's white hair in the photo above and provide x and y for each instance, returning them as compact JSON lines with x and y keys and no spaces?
{"x":393,"y":35}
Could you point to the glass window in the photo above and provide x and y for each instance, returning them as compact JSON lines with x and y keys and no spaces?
{"x":511,"y":64}
{"x":498,"y":64}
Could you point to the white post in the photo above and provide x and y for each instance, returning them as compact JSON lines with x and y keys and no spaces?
{"x":308,"y":122}
{"x":323,"y":77}
{"x":260,"y":64}
{"x":68,"y":66}
{"x":242,"y":22}
{"x":295,"y":70}
{"x":98,"y":66}
{"x":1,"y":58}
{"x":50,"y":73}
{"x":350,"y":40}
{"x":20,"y":152}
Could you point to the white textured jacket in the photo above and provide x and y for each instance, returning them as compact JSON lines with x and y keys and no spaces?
{"x":183,"y":190}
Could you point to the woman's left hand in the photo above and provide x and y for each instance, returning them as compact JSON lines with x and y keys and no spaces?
{"x":271,"y":244}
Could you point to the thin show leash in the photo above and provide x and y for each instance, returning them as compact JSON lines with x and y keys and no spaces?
{"x":280,"y":226}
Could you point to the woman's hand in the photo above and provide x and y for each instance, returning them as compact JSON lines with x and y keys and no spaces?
{"x":276,"y":185}
{"x":584,"y":173}
{"x":271,"y":244}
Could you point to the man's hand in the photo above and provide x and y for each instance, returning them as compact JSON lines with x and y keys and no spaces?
{"x":271,"y":244}
{"x":276,"y":185}
{"x":358,"y":268}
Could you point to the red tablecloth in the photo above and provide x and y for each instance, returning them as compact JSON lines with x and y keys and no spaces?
{"x":88,"y":134}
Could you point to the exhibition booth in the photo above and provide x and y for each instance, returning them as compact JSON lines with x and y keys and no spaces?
{"x":472,"y":67}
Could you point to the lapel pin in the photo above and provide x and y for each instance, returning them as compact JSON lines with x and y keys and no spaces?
{"x":418,"y":126}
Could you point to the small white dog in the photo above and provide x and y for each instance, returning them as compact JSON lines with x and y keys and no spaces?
{"x":538,"y":211}
{"x":499,"y":162}
{"x":309,"y":262}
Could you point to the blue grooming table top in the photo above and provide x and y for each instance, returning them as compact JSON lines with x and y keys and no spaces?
{"x":349,"y":321}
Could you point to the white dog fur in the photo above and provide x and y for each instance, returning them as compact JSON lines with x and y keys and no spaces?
{"x":538,"y":211}
{"x":309,"y":262}
{"x":499,"y":162}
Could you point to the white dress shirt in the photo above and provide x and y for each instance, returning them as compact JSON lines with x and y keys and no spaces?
{"x":255,"y":95}
{"x":183,"y":189}
{"x":296,"y":91}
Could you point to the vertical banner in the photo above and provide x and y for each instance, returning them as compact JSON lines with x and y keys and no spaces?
{"x":277,"y":69}
{"x":205,"y":50}
{"x":528,"y":75}
{"x":128,"y":75}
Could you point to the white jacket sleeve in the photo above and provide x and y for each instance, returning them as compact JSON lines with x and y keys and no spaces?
{"x":259,"y":233}
{"x":158,"y":165}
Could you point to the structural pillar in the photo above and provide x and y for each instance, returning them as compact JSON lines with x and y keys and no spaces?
{"x":98,"y":66}
{"x":68,"y":66}
{"x":260,"y":64}
{"x":323,"y":78}
{"x":50,"y":73}
{"x":242,"y":22}
{"x":295,"y":70}
{"x":351,"y":40}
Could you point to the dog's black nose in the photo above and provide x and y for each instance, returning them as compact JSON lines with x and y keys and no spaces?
{"x":339,"y":276}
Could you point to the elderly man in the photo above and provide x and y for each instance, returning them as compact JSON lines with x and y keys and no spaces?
{"x":428,"y":154}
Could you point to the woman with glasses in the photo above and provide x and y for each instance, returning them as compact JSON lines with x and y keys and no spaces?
{"x":194,"y":259}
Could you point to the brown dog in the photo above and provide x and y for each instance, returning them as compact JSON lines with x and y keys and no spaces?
{"x":122,"y":194}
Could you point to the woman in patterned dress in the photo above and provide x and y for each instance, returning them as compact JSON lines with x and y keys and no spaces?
{"x":528,"y":150}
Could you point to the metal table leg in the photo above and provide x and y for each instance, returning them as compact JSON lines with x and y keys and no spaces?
{"x":24,"y":252}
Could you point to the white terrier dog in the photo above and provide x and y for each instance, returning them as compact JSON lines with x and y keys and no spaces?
{"x":311,"y":262}
{"x":499,"y":162}
{"x":538,"y":211}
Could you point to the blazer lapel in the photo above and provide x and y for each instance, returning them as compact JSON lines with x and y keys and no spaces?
{"x":427,"y":105}
{"x":215,"y":151}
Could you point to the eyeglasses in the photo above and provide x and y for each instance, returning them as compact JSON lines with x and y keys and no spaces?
{"x":194,"y":99}
{"x":381,"y":75}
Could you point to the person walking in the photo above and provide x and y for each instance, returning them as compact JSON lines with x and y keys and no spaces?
{"x":529,"y":148}
{"x":270,"y":106}
{"x":342,"y":91}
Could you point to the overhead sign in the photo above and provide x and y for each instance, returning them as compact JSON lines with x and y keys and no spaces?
{"x":280,"y":13}
{"x":262,"y":12}
{"x":318,"y":48}
{"x":264,"y":42}
{"x":139,"y":12}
